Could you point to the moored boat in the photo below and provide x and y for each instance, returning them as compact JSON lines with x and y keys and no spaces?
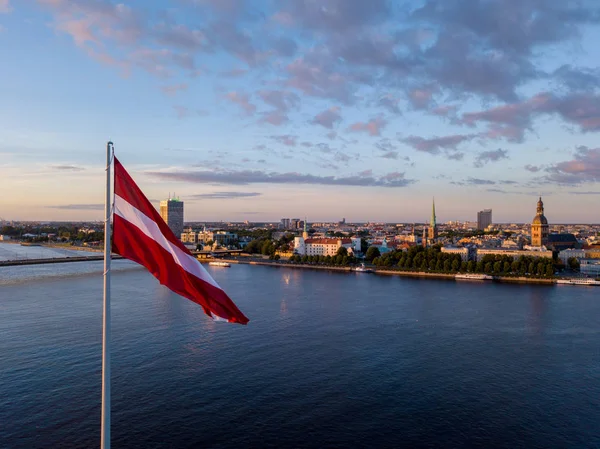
{"x":362,"y":269}
{"x":473,"y":277}
{"x":219,"y":264}
{"x":578,"y":281}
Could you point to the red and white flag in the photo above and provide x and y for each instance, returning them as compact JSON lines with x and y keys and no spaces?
{"x":141,"y":235}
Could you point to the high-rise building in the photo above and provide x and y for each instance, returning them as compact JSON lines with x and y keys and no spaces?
{"x":285,"y":223}
{"x":171,"y":211}
{"x":484,"y":219}
{"x":539,"y":226}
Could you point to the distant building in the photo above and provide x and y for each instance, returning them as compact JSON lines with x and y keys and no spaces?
{"x":559,"y":242}
{"x":480,"y":252}
{"x":539,"y":226}
{"x":4,"y":237}
{"x":566,"y":254}
{"x":171,"y":211}
{"x":484,"y":219}
{"x":189,"y":237}
{"x":325,"y":246}
{"x":285,"y":223}
{"x":432,"y":234}
{"x":465,"y":253}
{"x":589,"y":267}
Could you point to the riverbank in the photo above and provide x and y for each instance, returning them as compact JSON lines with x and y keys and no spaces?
{"x":411,"y":274}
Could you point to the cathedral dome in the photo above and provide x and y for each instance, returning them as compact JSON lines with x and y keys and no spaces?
{"x":539,"y":220}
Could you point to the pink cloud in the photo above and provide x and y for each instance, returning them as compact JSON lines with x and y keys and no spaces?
{"x":5,"y":7}
{"x":242,"y":100}
{"x":373,"y":127}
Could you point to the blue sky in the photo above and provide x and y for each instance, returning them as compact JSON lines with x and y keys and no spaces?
{"x":257,"y":110}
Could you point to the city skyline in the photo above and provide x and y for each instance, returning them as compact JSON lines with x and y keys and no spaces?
{"x":257,"y":110}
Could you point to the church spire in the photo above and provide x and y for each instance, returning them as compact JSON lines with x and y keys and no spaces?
{"x":433,"y":221}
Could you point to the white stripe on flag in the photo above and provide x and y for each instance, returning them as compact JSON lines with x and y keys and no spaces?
{"x":149,"y":227}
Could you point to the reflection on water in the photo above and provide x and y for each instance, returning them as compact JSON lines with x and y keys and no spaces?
{"x":14,"y":251}
{"x":327,"y":360}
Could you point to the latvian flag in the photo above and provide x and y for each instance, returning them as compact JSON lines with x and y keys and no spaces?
{"x":141,"y":235}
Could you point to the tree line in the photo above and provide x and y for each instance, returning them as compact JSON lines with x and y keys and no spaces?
{"x":434,"y":260}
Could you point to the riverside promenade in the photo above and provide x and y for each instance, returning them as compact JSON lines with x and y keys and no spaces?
{"x":411,"y":274}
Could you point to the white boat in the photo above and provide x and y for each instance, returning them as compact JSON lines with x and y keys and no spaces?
{"x":473,"y":277}
{"x":578,"y":281}
{"x":219,"y":264}
{"x":363,"y":269}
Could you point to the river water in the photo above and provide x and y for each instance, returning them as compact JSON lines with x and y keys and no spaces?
{"x":327,"y":360}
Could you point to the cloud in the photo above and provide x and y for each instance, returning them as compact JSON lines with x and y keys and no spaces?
{"x":422,"y":98}
{"x":279,"y":99}
{"x":373,"y":127}
{"x":455,"y":156}
{"x":78,"y":206}
{"x":475,"y":182}
{"x":584,"y":167}
{"x":390,"y":103}
{"x":286,"y":139}
{"x":242,"y":100}
{"x":282,"y":102}
{"x":5,"y":7}
{"x":434,"y":145}
{"x":394,"y":179}
{"x":532,"y":168}
{"x":510,"y":121}
{"x":224,"y":195}
{"x":585,"y":193}
{"x":490,"y":156}
{"x":578,"y":78}
{"x":328,"y":117}
{"x":184,"y":112}
{"x":67,"y":167}
{"x":174,"y":88}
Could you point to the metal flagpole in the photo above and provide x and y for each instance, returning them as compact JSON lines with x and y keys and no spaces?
{"x":105,"y":426}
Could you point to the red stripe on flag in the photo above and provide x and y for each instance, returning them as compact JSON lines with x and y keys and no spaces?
{"x":134,"y":237}
{"x":127,"y":189}
{"x":129,"y":242}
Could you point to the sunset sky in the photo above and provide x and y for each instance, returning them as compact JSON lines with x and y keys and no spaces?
{"x":257,"y":110}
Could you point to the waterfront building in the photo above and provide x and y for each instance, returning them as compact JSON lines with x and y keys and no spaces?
{"x":171,"y":211}
{"x":189,"y":237}
{"x":219,"y":237}
{"x":4,"y":238}
{"x":325,"y":246}
{"x":481,"y":252}
{"x":466,"y":253}
{"x":484,"y":219}
{"x":589,"y":267}
{"x":539,"y":226}
{"x":578,"y":254}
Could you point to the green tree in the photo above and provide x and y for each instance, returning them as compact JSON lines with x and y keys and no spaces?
{"x":342,"y":251}
{"x":364,"y":245}
{"x":456,"y":265}
{"x":488,"y":268}
{"x":470,"y":266}
{"x":507,"y":267}
{"x":573,"y":263}
{"x":372,"y":253}
{"x":549,"y":270}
